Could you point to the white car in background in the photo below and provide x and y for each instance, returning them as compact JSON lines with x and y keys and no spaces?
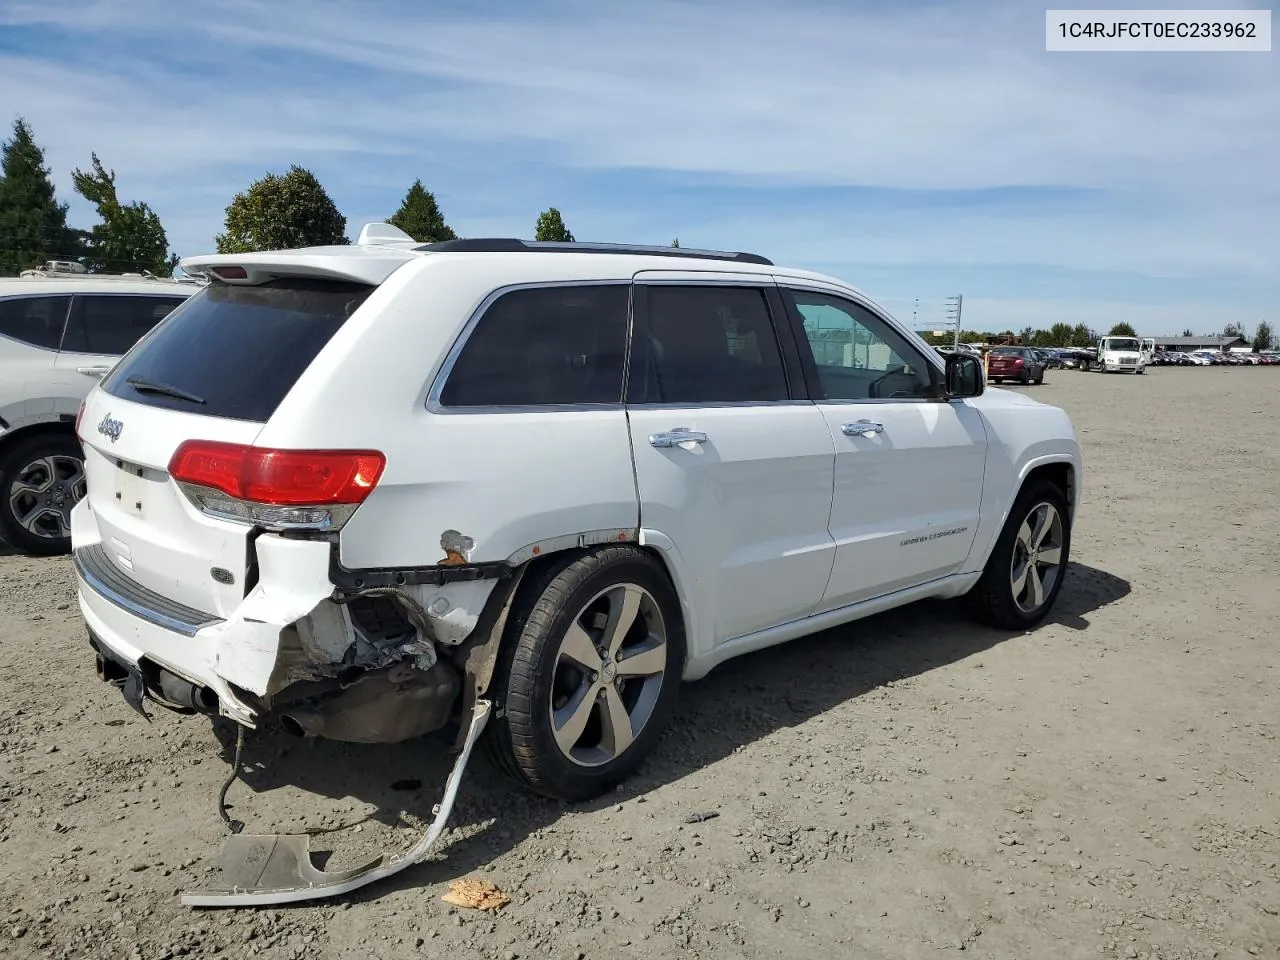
{"x":366,"y":491}
{"x":60,"y":330}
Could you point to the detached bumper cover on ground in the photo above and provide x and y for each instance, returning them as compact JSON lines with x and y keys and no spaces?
{"x":263,"y":870}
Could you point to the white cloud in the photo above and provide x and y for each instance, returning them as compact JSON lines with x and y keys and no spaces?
{"x":944,"y":97}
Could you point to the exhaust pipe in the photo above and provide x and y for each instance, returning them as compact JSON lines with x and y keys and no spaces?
{"x":303,"y":724}
{"x":183,"y":693}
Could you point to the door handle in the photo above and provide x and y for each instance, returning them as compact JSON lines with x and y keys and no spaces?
{"x":863,"y":428}
{"x":93,"y":371}
{"x":676,"y":436}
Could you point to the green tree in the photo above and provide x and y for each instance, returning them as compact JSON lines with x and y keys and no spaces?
{"x":551,"y":227}
{"x":1263,"y":338}
{"x":33,"y":225}
{"x":675,"y":242}
{"x":1122,"y":330}
{"x":1082,"y":336}
{"x":419,"y":216}
{"x":130,"y":236}
{"x":1235,"y":330}
{"x":1060,"y":335}
{"x":282,"y":213}
{"x":1188,"y":333}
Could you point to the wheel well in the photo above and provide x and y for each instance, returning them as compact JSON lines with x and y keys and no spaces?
{"x":1061,"y":475}
{"x":52,"y":427}
{"x":565,"y":557}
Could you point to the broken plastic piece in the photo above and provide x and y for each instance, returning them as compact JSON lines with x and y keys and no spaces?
{"x":261,"y":870}
{"x":475,"y":894}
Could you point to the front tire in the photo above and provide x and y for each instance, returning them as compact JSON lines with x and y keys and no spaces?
{"x":1024,"y":573}
{"x":589,"y":672}
{"x":41,"y":479}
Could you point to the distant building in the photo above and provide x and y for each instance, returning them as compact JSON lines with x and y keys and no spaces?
{"x":1192,"y":344}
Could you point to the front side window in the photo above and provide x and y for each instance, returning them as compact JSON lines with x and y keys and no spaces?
{"x":544,"y":346}
{"x":712,"y":344}
{"x":858,"y":355}
{"x":110,"y":324}
{"x":35,"y":321}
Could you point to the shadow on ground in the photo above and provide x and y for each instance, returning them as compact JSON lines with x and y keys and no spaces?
{"x":742,"y":701}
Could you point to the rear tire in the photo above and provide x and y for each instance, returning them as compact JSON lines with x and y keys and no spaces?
{"x":41,"y":479}
{"x":570,"y":723}
{"x":1028,"y":564}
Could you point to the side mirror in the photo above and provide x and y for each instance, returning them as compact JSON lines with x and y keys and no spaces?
{"x":964,"y":376}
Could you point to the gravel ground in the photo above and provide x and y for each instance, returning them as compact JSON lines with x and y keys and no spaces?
{"x":1102,"y":786}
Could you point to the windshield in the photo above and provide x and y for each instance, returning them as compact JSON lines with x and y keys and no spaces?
{"x":1120,"y":343}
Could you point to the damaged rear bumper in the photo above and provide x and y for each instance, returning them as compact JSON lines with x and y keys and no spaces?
{"x":296,"y":636}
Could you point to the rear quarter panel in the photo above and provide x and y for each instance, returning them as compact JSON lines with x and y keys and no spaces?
{"x":505,"y":483}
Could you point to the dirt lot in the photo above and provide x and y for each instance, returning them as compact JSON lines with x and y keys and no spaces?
{"x":1104,"y":786}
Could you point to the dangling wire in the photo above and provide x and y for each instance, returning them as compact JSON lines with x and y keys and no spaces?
{"x":234,"y":826}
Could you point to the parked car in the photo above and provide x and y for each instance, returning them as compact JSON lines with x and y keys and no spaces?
{"x":60,"y":330}
{"x":1015,"y":363}
{"x":1052,"y":358}
{"x":369,"y":490}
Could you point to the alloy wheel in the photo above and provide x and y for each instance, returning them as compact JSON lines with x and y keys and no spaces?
{"x":43,"y":493}
{"x":608,"y":674}
{"x":1037,"y":558}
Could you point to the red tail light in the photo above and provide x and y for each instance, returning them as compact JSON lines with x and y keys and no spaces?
{"x":1017,"y":362}
{"x":287,"y":478}
{"x":79,"y":417}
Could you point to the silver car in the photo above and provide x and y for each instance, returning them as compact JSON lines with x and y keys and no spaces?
{"x":60,"y":331}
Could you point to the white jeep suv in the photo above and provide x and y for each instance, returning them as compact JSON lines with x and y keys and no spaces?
{"x":59,"y":332}
{"x":369,"y":490}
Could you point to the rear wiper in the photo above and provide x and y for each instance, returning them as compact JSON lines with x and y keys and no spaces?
{"x":143,"y":385}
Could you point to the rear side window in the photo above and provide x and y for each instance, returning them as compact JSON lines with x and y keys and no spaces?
{"x":234,"y":351}
{"x":35,"y":321}
{"x":544,"y":346}
{"x":112,"y":324}
{"x":712,"y":344}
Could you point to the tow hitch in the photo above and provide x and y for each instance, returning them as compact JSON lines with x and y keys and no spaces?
{"x":262,"y":870}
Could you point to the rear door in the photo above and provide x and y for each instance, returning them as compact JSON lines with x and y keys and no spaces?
{"x":908,"y":467}
{"x":102,"y":327}
{"x":732,"y":463}
{"x":216,"y":371}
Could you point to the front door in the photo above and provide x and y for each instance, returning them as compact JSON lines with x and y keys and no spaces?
{"x":730,"y":466}
{"x":908,"y":467}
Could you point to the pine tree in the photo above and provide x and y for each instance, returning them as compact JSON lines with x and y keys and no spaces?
{"x":33,"y":225}
{"x":419,"y":216}
{"x":130,"y":237}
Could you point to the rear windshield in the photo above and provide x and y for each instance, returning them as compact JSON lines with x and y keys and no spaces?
{"x":234,"y":351}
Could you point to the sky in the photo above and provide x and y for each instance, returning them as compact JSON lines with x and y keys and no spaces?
{"x":915,"y":150}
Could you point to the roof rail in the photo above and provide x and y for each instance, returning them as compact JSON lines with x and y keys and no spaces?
{"x":511,"y":245}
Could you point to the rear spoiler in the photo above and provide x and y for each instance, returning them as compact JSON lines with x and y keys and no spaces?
{"x":368,"y":264}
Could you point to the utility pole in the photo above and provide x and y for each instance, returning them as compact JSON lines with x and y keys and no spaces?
{"x":953,"y":313}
